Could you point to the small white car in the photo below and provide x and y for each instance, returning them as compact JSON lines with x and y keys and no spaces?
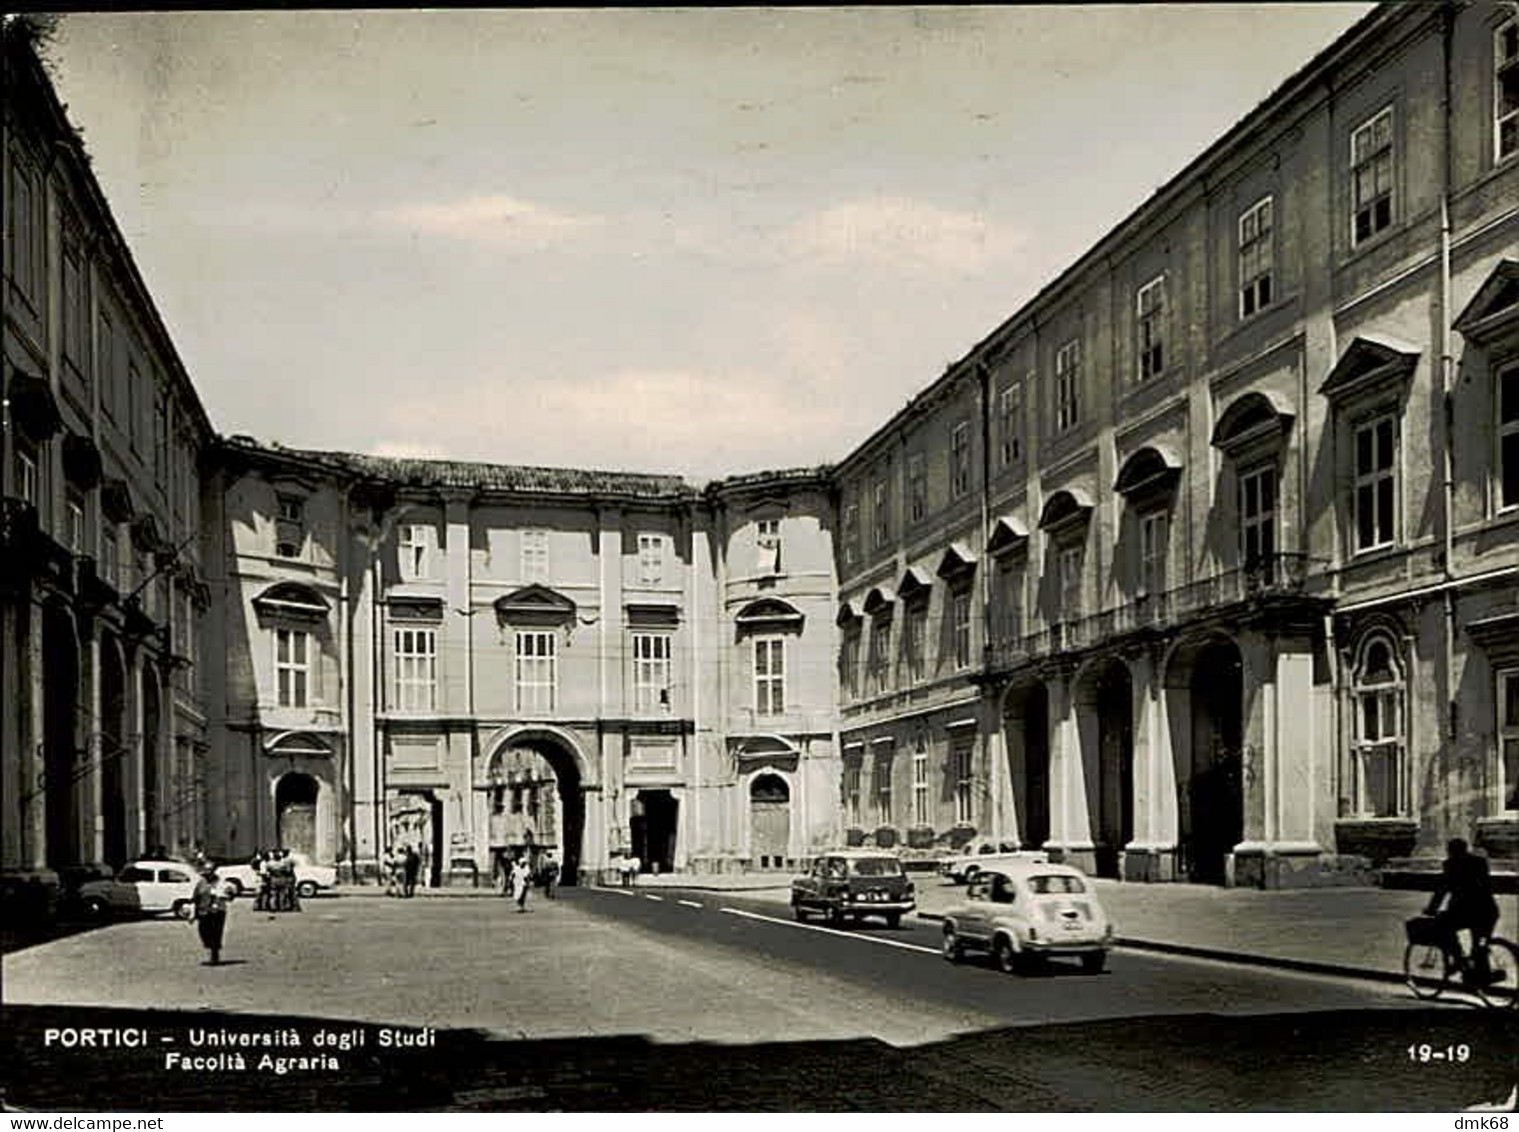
{"x":1027,"y":911}
{"x":309,"y":878}
{"x":963,"y":869}
{"x":144,"y":888}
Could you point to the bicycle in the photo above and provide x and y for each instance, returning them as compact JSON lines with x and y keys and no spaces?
{"x":1433,"y":959}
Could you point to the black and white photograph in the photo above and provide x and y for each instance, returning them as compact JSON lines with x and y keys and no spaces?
{"x":760,"y":559}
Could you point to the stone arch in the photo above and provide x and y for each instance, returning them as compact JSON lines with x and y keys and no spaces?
{"x":1204,"y":680}
{"x":1025,"y":724}
{"x":573,"y":776}
{"x":770,"y":792}
{"x":297,"y":796}
{"x":1103,"y":703}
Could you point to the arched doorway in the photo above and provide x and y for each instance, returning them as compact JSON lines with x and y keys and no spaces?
{"x":152,"y":717}
{"x":652,"y":827}
{"x":540,"y":779}
{"x":295,"y":798}
{"x":113,"y":753}
{"x":769,"y":821}
{"x":60,"y":746}
{"x":1106,"y":730}
{"x":1214,"y":812}
{"x":1026,"y":725}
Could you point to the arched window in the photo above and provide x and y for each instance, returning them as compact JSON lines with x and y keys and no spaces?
{"x":1380,"y":698}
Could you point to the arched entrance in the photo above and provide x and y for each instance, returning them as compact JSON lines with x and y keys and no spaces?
{"x":415,"y":821}
{"x":1106,"y":729}
{"x":1026,"y":726}
{"x":60,"y":746}
{"x":652,"y":827}
{"x":769,"y":821}
{"x":538,"y":773}
{"x":152,"y":717}
{"x":295,"y":798}
{"x":1205,"y":703}
{"x":113,"y":753}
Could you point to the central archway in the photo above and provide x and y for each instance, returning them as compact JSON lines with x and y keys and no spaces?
{"x":537,"y":802}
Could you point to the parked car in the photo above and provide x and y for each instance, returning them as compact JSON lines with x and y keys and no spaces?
{"x":310,"y":879}
{"x":849,"y":884}
{"x":144,"y":888}
{"x":964,"y":868}
{"x":1024,"y":912}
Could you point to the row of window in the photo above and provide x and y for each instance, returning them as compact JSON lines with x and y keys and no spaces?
{"x":915,"y":666}
{"x":878,"y":809}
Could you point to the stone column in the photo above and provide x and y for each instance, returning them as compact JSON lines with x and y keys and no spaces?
{"x":132,"y":753}
{"x":33,"y":784}
{"x":1070,"y":816}
{"x":95,"y":744}
{"x":1151,"y":855}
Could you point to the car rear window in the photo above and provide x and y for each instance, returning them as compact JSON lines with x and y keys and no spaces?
{"x":875,"y":867}
{"x":1046,"y":884}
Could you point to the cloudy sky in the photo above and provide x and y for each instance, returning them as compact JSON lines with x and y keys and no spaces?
{"x":691,"y":241}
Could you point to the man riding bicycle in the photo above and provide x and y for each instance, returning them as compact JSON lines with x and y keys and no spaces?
{"x":1466,"y":882}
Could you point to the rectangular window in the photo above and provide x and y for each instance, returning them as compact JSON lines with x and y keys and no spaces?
{"x":416,"y":669}
{"x":291,"y":667}
{"x":1068,"y":386}
{"x":1009,"y":602}
{"x":1257,"y":516}
{"x":914,"y":630}
{"x":961,"y":748}
{"x":414,"y":543}
{"x":959,"y":460}
{"x":1150,"y":304}
{"x":1376,"y":483}
{"x":880,"y":654}
{"x":1508,"y":438}
{"x":851,"y":533}
{"x":651,"y":559}
{"x":110,"y":555}
{"x":1506,"y":89}
{"x":917,"y":488}
{"x":1068,"y":562}
{"x":959,"y":607}
{"x":535,"y":556}
{"x":161,"y":439}
{"x":651,"y":672}
{"x":1508,"y":738}
{"x":769,"y":676}
{"x":881,"y":513}
{"x":76,"y":311}
{"x":289,"y":526}
{"x":1379,"y":751}
{"x":767,"y":538}
{"x":881,"y":788}
{"x":852,"y":815}
{"x":109,"y":379}
{"x":1010,"y":425}
{"x":537,"y":671}
{"x":1153,"y":531}
{"x":920,"y":809}
{"x":74,"y":512}
{"x":26,"y":475}
{"x":1371,"y":167}
{"x":1257,"y":258}
{"x":849,"y":662}
{"x":26,"y":233}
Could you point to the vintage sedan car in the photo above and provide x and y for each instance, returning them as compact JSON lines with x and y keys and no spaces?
{"x":142,"y":888}
{"x":964,"y":868}
{"x":1028,"y":911}
{"x":310,"y":879}
{"x":849,"y":884}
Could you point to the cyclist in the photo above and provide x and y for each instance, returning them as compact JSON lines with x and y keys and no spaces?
{"x":1465,"y":881}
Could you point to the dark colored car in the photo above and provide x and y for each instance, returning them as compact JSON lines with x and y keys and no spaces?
{"x":850,"y":884}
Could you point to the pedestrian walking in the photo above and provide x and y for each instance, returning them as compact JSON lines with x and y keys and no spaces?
{"x":209,"y":912}
{"x":629,"y":869}
{"x":412,"y":865}
{"x":549,"y":871}
{"x":522,"y":880}
{"x":395,"y":871}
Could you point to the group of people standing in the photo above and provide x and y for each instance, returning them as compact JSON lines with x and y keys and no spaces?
{"x":277,"y":885}
{"x":403,"y":864}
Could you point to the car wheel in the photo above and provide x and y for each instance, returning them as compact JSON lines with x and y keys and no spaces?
{"x":836,"y":916}
{"x":183,"y":909}
{"x":1004,"y":956}
{"x":306,"y":889}
{"x":1094,"y":963}
{"x":799,"y":912}
{"x":953,"y":949}
{"x":95,"y":908}
{"x":893,"y":920}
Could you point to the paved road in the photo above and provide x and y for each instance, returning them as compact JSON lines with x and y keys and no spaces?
{"x":606,"y":1001}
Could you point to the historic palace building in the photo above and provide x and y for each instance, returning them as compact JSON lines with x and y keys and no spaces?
{"x":1204,"y":564}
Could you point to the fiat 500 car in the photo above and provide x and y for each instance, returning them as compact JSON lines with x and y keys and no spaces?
{"x":854,"y":883}
{"x":241,"y":877}
{"x":143,"y":888}
{"x":965,"y":868}
{"x":1025,"y":912}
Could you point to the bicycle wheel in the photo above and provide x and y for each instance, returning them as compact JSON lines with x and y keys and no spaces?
{"x":1503,"y":960}
{"x":1426,"y":969}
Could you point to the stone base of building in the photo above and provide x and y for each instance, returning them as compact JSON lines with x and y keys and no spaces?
{"x":1295,"y":864}
{"x":1378,"y":839}
{"x":1080,"y":854}
{"x":1148,"y":864}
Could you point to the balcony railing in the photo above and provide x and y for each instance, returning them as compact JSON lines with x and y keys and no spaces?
{"x":1271,"y":575}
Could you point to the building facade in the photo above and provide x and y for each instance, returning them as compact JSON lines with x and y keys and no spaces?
{"x":103,"y":750}
{"x":1205,"y":563}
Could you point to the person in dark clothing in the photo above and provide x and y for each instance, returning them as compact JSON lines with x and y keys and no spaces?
{"x":548,"y":872}
{"x":413,"y":866}
{"x":210,"y":901}
{"x":1466,"y":887}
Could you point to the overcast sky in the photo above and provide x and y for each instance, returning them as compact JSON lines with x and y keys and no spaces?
{"x":691,"y":241}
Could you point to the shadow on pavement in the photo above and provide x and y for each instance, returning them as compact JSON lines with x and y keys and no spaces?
{"x":1334,"y":1061}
